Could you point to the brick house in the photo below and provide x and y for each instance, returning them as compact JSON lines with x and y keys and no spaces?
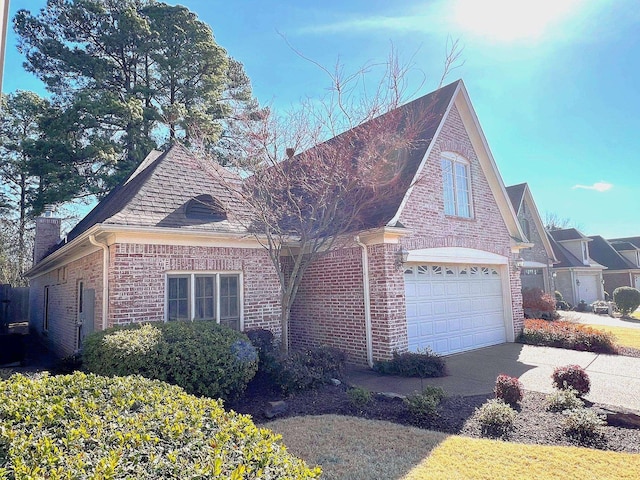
{"x":578,"y":275}
{"x":538,"y":261}
{"x":621,"y":259}
{"x":435,"y":265}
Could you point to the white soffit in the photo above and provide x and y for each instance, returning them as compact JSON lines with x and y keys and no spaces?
{"x":455,"y":255}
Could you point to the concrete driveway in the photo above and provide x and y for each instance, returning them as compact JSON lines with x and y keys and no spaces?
{"x":615,"y":380}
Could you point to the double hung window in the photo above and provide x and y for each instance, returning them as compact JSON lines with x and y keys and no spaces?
{"x":204,"y":296}
{"x":455,"y":180}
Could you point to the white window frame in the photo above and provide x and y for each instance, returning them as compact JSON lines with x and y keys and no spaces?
{"x":585,"y":253}
{"x":455,"y":159}
{"x":192,"y":292}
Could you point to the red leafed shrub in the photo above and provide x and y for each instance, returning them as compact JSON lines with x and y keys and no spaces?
{"x":563,"y":334}
{"x":571,"y":376}
{"x":508,"y":389}
{"x":538,"y":304}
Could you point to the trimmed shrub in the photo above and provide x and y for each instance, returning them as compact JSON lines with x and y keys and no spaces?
{"x":508,"y":389}
{"x":538,"y":304}
{"x":564,"y":400}
{"x":571,"y":376}
{"x":306,"y":369}
{"x":202,"y":357}
{"x":424,"y":405}
{"x":423,"y":364}
{"x":627,"y":299}
{"x":268,"y":351}
{"x":359,"y":397}
{"x":496,"y":418}
{"x":86,"y":426}
{"x":563,"y":334}
{"x":583,"y":423}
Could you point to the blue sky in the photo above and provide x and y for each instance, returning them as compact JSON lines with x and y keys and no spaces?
{"x":555,"y":84}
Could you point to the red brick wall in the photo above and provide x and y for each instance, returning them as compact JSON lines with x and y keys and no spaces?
{"x":614,"y":280}
{"x":329,"y":306}
{"x":46,"y":236}
{"x":63,"y":299}
{"x":137,"y":280}
{"x":388,"y":312}
{"x":424,"y":214}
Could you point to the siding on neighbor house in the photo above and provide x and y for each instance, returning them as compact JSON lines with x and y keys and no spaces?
{"x":63,"y":300}
{"x":137,"y":278}
{"x":424,"y":213}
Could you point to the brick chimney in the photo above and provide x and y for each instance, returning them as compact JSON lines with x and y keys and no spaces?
{"x":47,"y":234}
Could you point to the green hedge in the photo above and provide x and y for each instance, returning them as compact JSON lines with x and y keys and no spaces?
{"x":202,"y":357}
{"x":87,"y":426}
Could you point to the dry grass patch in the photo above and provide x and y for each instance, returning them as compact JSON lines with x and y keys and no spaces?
{"x":356,"y":448}
{"x":624,"y":336}
{"x":461,"y":457}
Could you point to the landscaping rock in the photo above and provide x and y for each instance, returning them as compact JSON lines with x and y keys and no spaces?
{"x":336,"y":382}
{"x":392,"y":395}
{"x":276,"y":408}
{"x":620,"y":419}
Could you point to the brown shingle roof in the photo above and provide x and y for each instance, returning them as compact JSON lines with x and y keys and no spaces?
{"x":157,"y":193}
{"x":605,"y":254}
{"x":516,"y":193}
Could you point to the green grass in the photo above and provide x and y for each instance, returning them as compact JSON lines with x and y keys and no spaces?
{"x":355,"y":448}
{"x":460,"y":457}
{"x":624,"y":336}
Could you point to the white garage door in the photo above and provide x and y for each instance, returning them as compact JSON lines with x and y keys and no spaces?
{"x":589,"y":288}
{"x":453,"y":308}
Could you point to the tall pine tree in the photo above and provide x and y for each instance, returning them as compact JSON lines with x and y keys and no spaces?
{"x":132,"y":75}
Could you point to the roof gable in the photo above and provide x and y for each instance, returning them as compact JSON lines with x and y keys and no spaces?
{"x":565,"y":257}
{"x":460,"y":98}
{"x":635,"y":241}
{"x":568,"y":234}
{"x":521,"y":195}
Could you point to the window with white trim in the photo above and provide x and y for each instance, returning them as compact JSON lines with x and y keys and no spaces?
{"x":585,"y":253}
{"x":204,"y":296}
{"x":456,"y":186}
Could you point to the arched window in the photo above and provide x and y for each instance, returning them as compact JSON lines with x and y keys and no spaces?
{"x":524,"y":223}
{"x":456,"y":185}
{"x":205,"y":207}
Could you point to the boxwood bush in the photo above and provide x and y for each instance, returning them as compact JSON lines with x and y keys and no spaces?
{"x":202,"y":357}
{"x":627,"y":299}
{"x":423,"y":364}
{"x":87,"y":426}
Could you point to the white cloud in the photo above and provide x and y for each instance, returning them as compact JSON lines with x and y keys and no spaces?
{"x":598,"y":187}
{"x":417,"y":23}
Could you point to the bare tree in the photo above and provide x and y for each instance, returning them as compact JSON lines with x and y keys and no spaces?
{"x":553,"y":221}
{"x":353,"y":142}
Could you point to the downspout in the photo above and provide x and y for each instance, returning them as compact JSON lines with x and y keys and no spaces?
{"x":105,"y":280}
{"x":367,"y":301}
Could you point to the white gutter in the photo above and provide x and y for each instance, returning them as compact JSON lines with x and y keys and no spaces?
{"x":367,"y":301}
{"x":105,"y":280}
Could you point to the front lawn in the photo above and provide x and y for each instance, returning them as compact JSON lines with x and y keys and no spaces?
{"x":624,"y":336}
{"x":355,"y":448}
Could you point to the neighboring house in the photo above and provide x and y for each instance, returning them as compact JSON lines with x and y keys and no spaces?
{"x":536,"y":269}
{"x":620,"y":272}
{"x":578,"y":276}
{"x":629,"y":248}
{"x":165,"y":246}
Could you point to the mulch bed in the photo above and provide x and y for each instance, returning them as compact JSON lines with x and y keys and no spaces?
{"x":534,"y":425}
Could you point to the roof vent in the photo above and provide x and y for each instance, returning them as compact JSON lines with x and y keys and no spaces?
{"x":205,"y":207}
